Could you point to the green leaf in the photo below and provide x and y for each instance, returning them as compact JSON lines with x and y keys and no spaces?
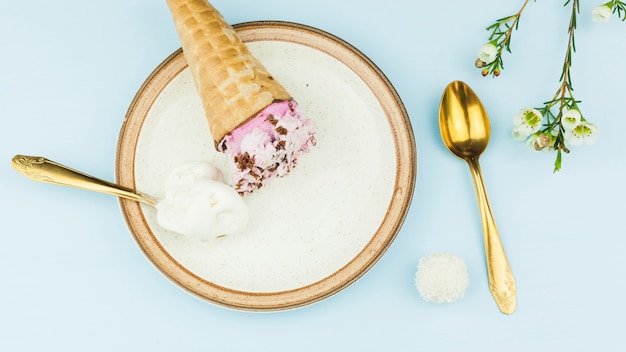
{"x":557,"y":162}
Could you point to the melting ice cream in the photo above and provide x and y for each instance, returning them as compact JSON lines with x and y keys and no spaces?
{"x":199,"y":204}
{"x":268,"y":146}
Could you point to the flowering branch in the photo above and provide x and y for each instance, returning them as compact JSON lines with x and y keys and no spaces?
{"x":490,"y":54}
{"x":558,"y":123}
{"x":564,"y":97}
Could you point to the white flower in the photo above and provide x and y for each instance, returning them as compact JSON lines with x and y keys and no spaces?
{"x":570,"y":119}
{"x":530,"y":142}
{"x":584,"y":132}
{"x":488,"y":53}
{"x":520,"y":133}
{"x":525,"y":123}
{"x":601,"y":14}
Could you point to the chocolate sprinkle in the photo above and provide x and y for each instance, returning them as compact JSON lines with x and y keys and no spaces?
{"x":272,"y":120}
{"x":244,"y":161}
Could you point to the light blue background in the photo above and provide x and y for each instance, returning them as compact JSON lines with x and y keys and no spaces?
{"x":74,"y":280}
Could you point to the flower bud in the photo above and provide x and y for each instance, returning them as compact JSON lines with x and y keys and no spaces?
{"x":602,"y":13}
{"x":542,"y":141}
{"x":480,"y":63}
{"x":484,"y":72}
{"x":496,"y":72}
{"x":488,"y":52}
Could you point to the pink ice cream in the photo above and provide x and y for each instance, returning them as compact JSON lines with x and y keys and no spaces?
{"x":268,"y":146}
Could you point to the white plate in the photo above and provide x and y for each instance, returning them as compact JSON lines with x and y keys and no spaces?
{"x":311,"y":233}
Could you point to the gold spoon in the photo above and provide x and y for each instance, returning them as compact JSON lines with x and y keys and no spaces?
{"x":228,"y":219}
{"x":465,"y":130}
{"x":40,"y":169}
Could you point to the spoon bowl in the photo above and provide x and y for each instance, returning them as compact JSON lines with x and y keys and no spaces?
{"x":465,"y":130}
{"x":463,"y":121}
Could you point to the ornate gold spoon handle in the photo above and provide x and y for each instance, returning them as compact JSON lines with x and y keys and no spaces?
{"x":40,"y":169}
{"x":501,"y":281}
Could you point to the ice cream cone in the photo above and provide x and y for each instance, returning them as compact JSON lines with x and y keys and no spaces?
{"x":252,"y":117}
{"x":233,"y":85}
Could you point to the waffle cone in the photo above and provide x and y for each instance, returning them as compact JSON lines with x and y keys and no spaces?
{"x":232,"y":84}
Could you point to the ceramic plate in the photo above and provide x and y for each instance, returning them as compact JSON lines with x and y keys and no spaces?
{"x":311,"y":233}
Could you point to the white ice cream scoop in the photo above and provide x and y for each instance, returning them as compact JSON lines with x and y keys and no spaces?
{"x":197,"y":202}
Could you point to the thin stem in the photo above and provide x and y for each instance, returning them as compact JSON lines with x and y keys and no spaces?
{"x":507,"y":37}
{"x":566,"y":79}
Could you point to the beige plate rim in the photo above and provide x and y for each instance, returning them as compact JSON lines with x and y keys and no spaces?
{"x":406,"y":161}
